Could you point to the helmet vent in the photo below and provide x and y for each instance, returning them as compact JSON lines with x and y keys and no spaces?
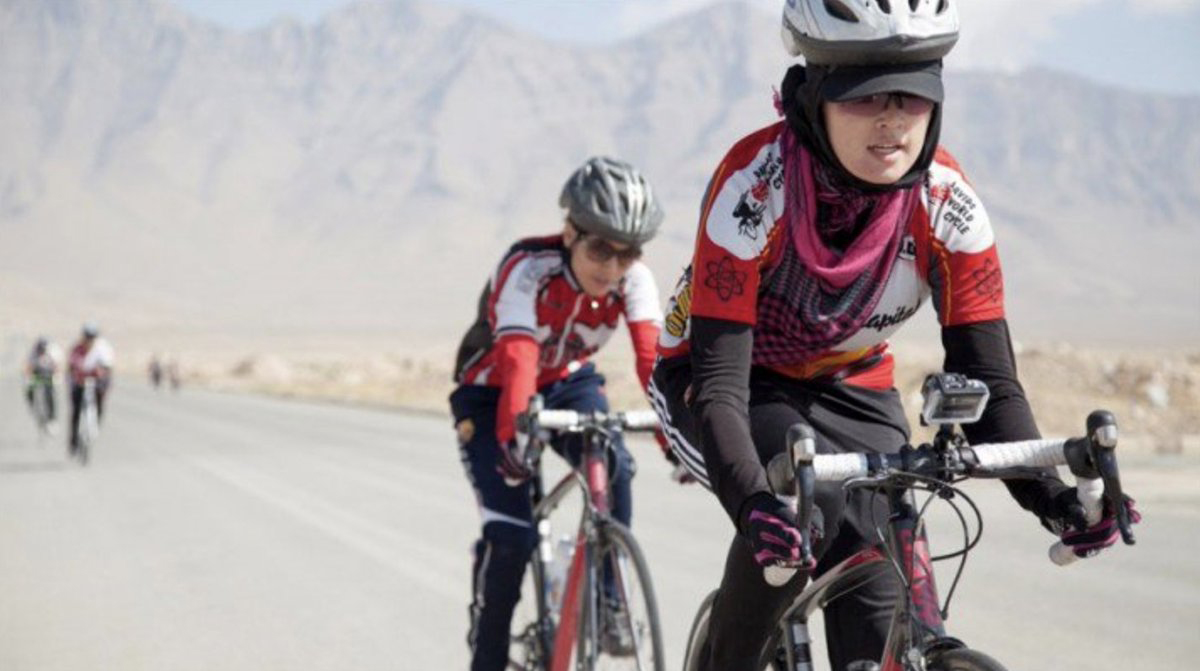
{"x":886,"y":6}
{"x":943,"y":5}
{"x":839,"y":9}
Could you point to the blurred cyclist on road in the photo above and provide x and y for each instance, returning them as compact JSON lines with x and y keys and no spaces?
{"x":40,"y":368}
{"x":91,"y":357}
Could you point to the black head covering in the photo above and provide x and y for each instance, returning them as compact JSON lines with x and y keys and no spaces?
{"x":802,"y":92}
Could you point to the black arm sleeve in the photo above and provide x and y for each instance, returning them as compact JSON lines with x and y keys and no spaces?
{"x":720,"y":404}
{"x":983,"y":351}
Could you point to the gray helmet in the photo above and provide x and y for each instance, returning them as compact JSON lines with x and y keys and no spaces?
{"x":90,"y":330}
{"x":611,"y":199}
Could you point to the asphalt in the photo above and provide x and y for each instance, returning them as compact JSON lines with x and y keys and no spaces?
{"x":216,"y":531}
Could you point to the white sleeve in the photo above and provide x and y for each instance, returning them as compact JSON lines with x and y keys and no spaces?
{"x":515,"y":299}
{"x":104,"y":354}
{"x":641,"y":295}
{"x":956,"y":213}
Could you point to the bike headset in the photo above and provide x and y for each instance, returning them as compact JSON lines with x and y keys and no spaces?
{"x":857,"y":48}
{"x":612,"y":200}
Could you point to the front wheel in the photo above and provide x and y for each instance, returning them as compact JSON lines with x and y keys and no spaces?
{"x":89,"y":427}
{"x":698,"y":636}
{"x":963,"y":659}
{"x":620,"y":629}
{"x":532,"y":636}
{"x":41,"y":410}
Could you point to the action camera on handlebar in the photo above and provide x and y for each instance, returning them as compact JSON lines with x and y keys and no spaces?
{"x":952,"y":398}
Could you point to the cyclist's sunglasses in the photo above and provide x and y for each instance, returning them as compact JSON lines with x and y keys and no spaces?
{"x":601,"y":251}
{"x":874,"y":105}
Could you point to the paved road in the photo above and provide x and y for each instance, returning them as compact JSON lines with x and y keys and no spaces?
{"x":227,"y":532}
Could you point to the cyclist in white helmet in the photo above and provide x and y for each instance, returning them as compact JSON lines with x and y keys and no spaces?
{"x":819,"y":237}
{"x":91,"y":357}
{"x":550,"y":304}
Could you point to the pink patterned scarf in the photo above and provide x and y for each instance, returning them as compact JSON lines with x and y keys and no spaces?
{"x":817,"y":297}
{"x":872,"y":251}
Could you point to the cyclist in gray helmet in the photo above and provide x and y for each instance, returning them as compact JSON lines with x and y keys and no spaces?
{"x":550,"y":304}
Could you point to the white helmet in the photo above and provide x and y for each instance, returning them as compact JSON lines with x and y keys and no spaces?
{"x":869,"y":32}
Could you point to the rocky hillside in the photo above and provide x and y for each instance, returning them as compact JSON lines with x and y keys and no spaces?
{"x":168,"y":177}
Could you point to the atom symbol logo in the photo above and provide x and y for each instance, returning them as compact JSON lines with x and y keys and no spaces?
{"x":988,"y":281}
{"x":724,"y":279}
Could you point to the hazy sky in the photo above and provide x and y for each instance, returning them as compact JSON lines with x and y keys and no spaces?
{"x":1141,"y":44}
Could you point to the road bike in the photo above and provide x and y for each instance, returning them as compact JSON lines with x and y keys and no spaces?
{"x":917,"y":638}
{"x":89,"y":422}
{"x":587,"y":601}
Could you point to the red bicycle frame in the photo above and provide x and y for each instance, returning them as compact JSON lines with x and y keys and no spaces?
{"x":592,"y":478}
{"x":916,"y":617}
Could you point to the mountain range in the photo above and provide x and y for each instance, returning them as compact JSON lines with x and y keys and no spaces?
{"x":361,"y":175}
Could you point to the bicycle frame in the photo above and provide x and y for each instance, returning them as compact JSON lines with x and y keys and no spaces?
{"x":41,"y":390}
{"x":916,"y":616}
{"x":592,"y":480}
{"x":916,"y":634}
{"x":89,"y":420}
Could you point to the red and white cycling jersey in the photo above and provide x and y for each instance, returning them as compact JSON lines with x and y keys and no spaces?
{"x":536,"y":324}
{"x":85,"y":362}
{"x":744,"y":249}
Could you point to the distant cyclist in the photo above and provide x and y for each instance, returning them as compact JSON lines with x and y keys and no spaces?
{"x":550,"y":304}
{"x":91,"y":357}
{"x":155,"y":371}
{"x":40,"y":368}
{"x":819,"y":237}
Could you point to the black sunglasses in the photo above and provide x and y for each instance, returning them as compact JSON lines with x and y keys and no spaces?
{"x":874,"y":105}
{"x":601,"y":251}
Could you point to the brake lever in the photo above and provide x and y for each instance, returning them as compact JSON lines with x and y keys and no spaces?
{"x":792,"y":474}
{"x":1102,"y":437}
{"x":802,"y":442}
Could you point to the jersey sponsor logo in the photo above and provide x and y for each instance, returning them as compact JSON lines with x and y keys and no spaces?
{"x":988,"y":281}
{"x":770,"y":172}
{"x":739,"y":217}
{"x":908,"y":248}
{"x":556,"y":349}
{"x":958,"y":207}
{"x":753,"y":202}
{"x":939,"y":193}
{"x":879,"y":322}
{"x":679,"y":311}
{"x":749,"y":215}
{"x":724,"y":279}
